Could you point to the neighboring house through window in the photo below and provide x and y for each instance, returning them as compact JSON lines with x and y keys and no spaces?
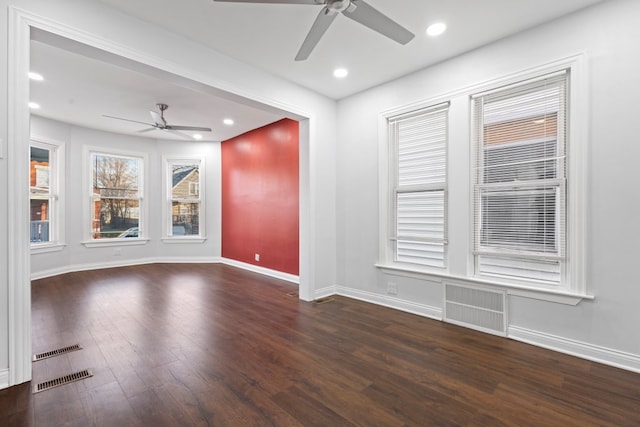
{"x":45,"y":187}
{"x":184,"y":207}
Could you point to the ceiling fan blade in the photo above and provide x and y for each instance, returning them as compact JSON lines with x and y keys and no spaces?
{"x":147,"y":130}
{"x":275,"y":1}
{"x":127,"y":120}
{"x":180,"y":134}
{"x":157,"y":119}
{"x":319,"y":27}
{"x":194,"y":128}
{"x":377,"y":21}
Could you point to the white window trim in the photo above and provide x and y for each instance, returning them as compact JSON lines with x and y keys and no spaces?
{"x":87,"y":183}
{"x":577,"y":288}
{"x":57,"y":148}
{"x":574,"y":278}
{"x":167,"y":228}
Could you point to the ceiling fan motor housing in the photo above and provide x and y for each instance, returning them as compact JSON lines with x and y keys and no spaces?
{"x":338,"y":6}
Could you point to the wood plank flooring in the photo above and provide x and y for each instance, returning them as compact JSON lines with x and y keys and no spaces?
{"x":211,"y":345}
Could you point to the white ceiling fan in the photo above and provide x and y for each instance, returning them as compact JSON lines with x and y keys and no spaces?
{"x":356,"y":10}
{"x":160,"y":123}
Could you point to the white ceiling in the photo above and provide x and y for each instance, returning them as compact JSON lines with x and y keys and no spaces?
{"x":268,"y":36}
{"x":82,"y":84}
{"x":80,"y":89}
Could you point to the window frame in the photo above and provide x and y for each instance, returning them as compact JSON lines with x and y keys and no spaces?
{"x":461,"y":264}
{"x":167,"y":200}
{"x":142,"y":178}
{"x":389,"y":165}
{"x":56,"y":195}
{"x":509,"y":256}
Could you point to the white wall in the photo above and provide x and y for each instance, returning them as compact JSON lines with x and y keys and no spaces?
{"x":97,"y":22}
{"x":603,"y":329}
{"x":76,"y":256}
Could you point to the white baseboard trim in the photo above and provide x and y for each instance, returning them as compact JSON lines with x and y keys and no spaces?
{"x":4,"y":378}
{"x":90,"y":266}
{"x":325,"y":292}
{"x":120,"y":263}
{"x":391,"y":302}
{"x":261,"y":270}
{"x":163,"y":260}
{"x":607,"y":356}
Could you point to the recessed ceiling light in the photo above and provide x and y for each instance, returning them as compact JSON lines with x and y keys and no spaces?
{"x":228,"y":122}
{"x":35,"y":76}
{"x":34,"y":105}
{"x":340,"y":73}
{"x":436,"y":29}
{"x":197,"y":136}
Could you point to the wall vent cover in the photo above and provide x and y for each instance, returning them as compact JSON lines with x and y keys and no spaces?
{"x":476,"y":308}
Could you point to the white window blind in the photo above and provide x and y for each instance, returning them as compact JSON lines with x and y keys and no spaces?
{"x":419,"y":199}
{"x":520,"y":179}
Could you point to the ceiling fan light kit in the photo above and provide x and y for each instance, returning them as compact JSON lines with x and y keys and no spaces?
{"x":356,"y":10}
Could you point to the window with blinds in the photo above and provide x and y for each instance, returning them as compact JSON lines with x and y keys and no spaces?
{"x":519,"y":192}
{"x":419,"y":142}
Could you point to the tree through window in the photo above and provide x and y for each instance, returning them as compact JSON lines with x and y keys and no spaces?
{"x":116,"y":196}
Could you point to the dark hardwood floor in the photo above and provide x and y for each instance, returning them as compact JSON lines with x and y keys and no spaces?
{"x":191,"y":345}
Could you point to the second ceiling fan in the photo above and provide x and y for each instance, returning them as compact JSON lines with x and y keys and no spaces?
{"x":160,"y":123}
{"x":356,"y":10}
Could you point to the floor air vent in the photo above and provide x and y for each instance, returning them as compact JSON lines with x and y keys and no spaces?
{"x":475,"y":308}
{"x":56,"y":352}
{"x":77,"y":376}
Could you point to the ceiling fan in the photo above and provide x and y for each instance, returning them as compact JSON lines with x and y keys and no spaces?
{"x":160,"y":123}
{"x":357,"y":10}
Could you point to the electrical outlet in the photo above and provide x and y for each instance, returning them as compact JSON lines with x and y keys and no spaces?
{"x":257,"y":257}
{"x":392,"y":288}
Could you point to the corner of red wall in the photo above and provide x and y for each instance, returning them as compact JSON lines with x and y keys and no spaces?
{"x":260,"y":197}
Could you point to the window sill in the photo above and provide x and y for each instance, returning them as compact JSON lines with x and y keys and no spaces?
{"x":42,"y":248}
{"x":560,"y":296}
{"x":183,"y":240}
{"x":114,"y":242}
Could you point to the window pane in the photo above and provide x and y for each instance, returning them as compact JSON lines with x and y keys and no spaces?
{"x":520,"y":162}
{"x":420,"y":143}
{"x":429,"y":254}
{"x":420,"y":215}
{"x":39,"y":173}
{"x":115,"y":218}
{"x":185,"y":217}
{"x":185,"y":182}
{"x":39,"y":211}
{"x":519,"y":219}
{"x":422,"y":153}
{"x":519,"y":193}
{"x":115,"y":176}
{"x":547,"y":271}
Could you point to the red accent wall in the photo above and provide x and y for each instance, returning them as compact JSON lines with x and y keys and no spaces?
{"x":260,"y":197}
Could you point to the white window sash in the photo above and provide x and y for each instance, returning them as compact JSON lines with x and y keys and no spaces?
{"x":418,"y":227}
{"x":526,"y":157}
